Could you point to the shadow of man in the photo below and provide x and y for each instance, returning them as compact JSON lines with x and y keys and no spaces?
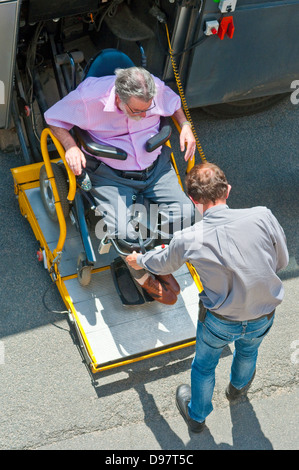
{"x":246,"y":429}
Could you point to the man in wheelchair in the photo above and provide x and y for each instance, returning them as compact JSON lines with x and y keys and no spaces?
{"x":124,"y":110}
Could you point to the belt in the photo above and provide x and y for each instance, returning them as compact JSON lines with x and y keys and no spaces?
{"x":268,"y":315}
{"x":202,"y":311}
{"x":140,"y":175}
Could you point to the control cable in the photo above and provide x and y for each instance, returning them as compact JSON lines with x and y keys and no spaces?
{"x":182,"y":96}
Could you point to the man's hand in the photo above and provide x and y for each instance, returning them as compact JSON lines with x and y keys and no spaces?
{"x":187,"y":138}
{"x":75,"y":159}
{"x":73,"y":155}
{"x":132,"y":261}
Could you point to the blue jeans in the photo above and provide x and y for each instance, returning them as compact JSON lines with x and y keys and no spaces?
{"x":212,"y":336}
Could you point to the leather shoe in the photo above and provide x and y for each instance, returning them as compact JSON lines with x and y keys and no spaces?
{"x":170,"y":282}
{"x":183,"y":397}
{"x":159,"y":291}
{"x":232,"y":393}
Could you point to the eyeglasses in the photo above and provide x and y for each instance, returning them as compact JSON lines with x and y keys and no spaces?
{"x":143,"y":111}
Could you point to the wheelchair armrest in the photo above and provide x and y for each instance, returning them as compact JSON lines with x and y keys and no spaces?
{"x":158,"y":139}
{"x":98,"y":150}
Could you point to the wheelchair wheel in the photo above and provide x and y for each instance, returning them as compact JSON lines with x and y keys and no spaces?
{"x":47,"y":192}
{"x":83,"y":270}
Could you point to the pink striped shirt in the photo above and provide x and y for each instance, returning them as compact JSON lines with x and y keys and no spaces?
{"x":92,"y":107}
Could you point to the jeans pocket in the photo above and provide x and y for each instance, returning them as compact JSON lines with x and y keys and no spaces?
{"x":215,"y":338}
{"x":266,"y":331}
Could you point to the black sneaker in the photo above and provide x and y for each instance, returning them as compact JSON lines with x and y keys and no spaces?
{"x":183,"y":397}
{"x":232,"y":393}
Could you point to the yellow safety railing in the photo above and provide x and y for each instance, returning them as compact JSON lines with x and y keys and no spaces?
{"x":72,"y":184}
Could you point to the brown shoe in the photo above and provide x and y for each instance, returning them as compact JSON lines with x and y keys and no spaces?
{"x":170,"y":282}
{"x":158,"y":291}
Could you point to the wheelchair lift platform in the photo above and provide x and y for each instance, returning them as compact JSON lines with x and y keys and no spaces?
{"x":110,"y":334}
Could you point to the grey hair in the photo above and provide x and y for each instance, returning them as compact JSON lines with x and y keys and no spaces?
{"x":134,"y":81}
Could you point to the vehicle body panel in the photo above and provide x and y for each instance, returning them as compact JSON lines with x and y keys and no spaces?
{"x":261,"y":59}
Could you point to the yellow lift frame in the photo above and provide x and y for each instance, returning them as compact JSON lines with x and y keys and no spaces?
{"x":27,"y":177}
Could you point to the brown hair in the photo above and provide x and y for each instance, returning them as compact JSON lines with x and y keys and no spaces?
{"x":206,"y":182}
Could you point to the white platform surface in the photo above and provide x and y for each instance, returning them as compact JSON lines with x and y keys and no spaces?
{"x":115,"y":331}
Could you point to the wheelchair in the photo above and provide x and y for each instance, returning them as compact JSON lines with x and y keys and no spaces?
{"x":58,"y":183}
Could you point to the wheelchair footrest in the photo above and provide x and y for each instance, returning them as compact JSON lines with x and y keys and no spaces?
{"x":128,"y":290}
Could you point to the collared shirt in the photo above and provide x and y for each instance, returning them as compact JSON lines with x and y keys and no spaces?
{"x":237,"y":253}
{"x":92,"y":107}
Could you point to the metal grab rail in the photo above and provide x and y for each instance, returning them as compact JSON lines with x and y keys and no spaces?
{"x":72,"y":184}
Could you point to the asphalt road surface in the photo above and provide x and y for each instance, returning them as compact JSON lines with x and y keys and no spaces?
{"x":49,"y":399}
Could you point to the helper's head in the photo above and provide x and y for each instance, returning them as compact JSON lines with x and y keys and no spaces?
{"x":135,"y":90}
{"x":207,"y":185}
